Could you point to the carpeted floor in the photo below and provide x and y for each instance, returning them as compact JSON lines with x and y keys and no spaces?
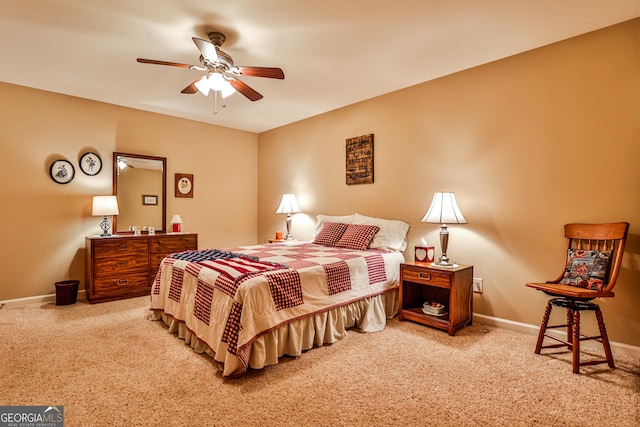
{"x":108,"y":365}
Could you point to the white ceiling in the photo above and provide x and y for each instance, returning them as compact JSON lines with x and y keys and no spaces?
{"x":333,"y":52}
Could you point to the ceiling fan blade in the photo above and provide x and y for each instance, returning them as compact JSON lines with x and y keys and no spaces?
{"x":191,"y":89}
{"x":244,"y":89}
{"x":207,"y":49}
{"x":269,"y":72}
{"x":172,"y":64}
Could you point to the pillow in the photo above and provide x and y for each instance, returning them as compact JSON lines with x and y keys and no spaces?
{"x":330,"y":234}
{"x":357,"y":236}
{"x":345,"y":219}
{"x":392,"y":234}
{"x":586,"y":268}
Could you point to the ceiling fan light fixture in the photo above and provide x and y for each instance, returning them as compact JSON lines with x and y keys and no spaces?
{"x":227,"y":90}
{"x":203,"y":85}
{"x":216,"y":81}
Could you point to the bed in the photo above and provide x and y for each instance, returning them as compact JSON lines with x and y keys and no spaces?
{"x":247,"y":306}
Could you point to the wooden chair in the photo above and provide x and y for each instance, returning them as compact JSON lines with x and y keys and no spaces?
{"x":587,"y":275}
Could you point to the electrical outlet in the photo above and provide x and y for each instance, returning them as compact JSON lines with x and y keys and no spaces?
{"x":477,"y":285}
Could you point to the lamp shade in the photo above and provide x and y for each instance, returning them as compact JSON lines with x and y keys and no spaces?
{"x":104,"y":205}
{"x":176,"y":219}
{"x":288,"y":205}
{"x":444,"y":210}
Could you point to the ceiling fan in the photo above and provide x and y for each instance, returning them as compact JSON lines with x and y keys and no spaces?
{"x":222,"y":75}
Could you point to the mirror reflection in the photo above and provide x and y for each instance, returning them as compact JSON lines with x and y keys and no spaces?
{"x":139,"y":182}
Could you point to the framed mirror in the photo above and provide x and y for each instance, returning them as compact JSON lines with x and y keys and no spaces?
{"x":140,"y":183}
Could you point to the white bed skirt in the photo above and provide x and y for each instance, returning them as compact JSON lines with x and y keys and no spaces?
{"x":368,"y":315}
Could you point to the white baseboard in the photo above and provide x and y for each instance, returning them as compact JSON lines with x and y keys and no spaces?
{"x":38,"y":299}
{"x":616,"y":347}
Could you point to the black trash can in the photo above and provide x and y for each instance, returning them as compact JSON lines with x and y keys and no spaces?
{"x":67,"y":292}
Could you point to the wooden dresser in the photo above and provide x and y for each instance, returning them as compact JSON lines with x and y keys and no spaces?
{"x":124,"y":266}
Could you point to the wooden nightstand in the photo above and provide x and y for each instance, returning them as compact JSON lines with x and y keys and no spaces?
{"x":421,"y":282}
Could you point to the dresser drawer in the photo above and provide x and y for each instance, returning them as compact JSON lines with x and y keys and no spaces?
{"x":169,"y":244}
{"x":431,"y":278}
{"x":121,"y":285}
{"x":120,"y":265}
{"x":154,"y":263}
{"x":120,"y":248}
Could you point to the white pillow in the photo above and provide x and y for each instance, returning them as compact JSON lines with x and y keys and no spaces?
{"x":345,"y":219}
{"x":392,"y":234}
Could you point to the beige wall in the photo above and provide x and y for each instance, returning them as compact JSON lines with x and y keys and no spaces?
{"x":44,"y":223}
{"x":527,"y":143}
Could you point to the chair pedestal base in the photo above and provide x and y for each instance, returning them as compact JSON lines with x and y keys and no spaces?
{"x":574,"y":336}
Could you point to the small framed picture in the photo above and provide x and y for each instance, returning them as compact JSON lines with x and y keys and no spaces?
{"x":90,"y":164}
{"x":149,"y":199}
{"x":62,"y":171}
{"x":184,"y":185}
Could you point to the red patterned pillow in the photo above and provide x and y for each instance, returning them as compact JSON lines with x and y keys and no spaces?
{"x":587,"y":268}
{"x":357,"y":236}
{"x":330,"y":233}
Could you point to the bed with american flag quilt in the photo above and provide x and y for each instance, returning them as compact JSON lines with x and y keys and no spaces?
{"x":250,"y":305}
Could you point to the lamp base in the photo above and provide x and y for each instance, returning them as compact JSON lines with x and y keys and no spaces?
{"x":105,"y":226}
{"x":442,"y":265}
{"x":289,"y":236}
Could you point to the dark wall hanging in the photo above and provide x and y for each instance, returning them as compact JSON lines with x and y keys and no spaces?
{"x":359,"y":160}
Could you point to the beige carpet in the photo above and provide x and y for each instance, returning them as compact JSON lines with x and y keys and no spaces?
{"x":110,"y":366}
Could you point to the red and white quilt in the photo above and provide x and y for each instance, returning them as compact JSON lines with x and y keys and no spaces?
{"x":227,"y":303}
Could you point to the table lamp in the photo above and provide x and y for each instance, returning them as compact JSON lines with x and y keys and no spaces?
{"x":103,"y":206}
{"x":443,"y":210}
{"x":176,"y":223}
{"x":288,"y":205}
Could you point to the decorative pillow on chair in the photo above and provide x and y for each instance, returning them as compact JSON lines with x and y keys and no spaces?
{"x":330,"y":234}
{"x":357,"y":236}
{"x":587,"y":269}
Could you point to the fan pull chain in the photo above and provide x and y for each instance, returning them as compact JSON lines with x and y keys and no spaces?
{"x":215,"y":102}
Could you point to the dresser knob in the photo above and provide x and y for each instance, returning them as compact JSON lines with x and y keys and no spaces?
{"x":123,"y":247}
{"x":424,"y":275}
{"x":122,"y":282}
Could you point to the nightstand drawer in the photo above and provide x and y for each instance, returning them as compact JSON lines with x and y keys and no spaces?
{"x":430,"y":277}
